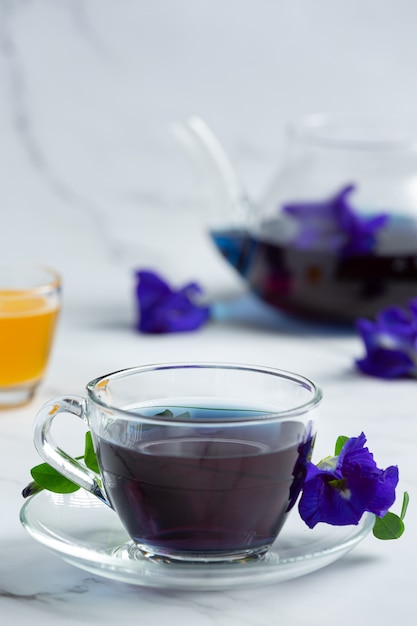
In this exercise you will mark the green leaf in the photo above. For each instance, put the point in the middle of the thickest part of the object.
(406, 500)
(90, 457)
(340, 442)
(48, 478)
(388, 527)
(184, 416)
(166, 413)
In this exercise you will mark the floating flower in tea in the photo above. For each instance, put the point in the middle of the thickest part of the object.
(335, 225)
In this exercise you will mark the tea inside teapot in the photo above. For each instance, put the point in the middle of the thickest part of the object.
(336, 235)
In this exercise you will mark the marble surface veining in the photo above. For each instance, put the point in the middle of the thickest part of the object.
(93, 183)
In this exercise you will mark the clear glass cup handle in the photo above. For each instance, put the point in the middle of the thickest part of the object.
(57, 458)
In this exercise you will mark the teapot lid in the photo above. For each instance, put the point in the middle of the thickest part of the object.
(355, 131)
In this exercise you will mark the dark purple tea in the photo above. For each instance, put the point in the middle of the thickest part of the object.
(318, 284)
(202, 493)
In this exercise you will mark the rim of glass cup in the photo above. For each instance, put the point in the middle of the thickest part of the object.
(355, 131)
(304, 407)
(47, 279)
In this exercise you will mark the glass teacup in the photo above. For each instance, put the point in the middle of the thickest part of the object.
(202, 462)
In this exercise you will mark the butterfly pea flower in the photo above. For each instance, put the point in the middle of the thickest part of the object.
(163, 309)
(390, 343)
(334, 224)
(340, 489)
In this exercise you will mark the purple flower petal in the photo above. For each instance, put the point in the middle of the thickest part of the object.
(354, 452)
(341, 491)
(397, 322)
(413, 308)
(322, 502)
(366, 329)
(384, 494)
(388, 364)
(151, 289)
(164, 310)
(390, 343)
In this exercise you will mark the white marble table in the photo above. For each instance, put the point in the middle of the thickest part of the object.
(92, 184)
(375, 580)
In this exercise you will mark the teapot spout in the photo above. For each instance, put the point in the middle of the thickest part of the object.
(206, 149)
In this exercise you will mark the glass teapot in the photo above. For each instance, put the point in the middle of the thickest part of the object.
(335, 237)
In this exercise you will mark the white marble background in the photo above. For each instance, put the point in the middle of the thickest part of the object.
(89, 89)
(92, 182)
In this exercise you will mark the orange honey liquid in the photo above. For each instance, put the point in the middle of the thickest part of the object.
(27, 325)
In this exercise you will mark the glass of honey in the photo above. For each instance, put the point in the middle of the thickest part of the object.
(29, 308)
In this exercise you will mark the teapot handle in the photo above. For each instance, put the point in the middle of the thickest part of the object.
(198, 137)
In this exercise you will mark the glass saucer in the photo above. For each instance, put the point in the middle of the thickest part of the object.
(86, 533)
